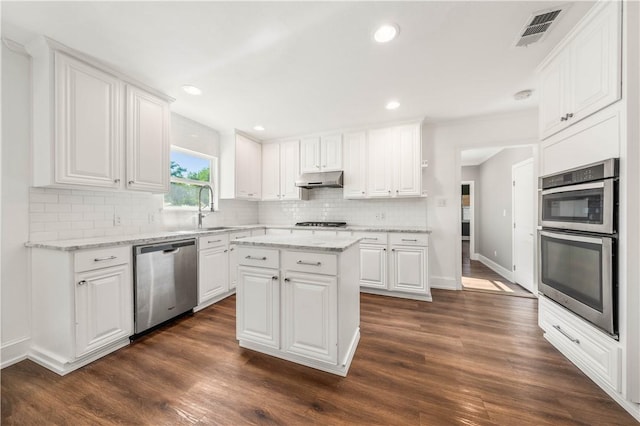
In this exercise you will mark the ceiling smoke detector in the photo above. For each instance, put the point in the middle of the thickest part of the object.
(538, 26)
(523, 94)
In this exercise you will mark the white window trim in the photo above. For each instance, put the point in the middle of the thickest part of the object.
(214, 179)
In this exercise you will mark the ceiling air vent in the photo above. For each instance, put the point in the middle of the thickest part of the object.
(538, 26)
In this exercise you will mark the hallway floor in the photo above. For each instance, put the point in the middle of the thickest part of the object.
(477, 277)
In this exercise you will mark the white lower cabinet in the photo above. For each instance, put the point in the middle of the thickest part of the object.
(104, 312)
(598, 355)
(309, 315)
(82, 305)
(373, 266)
(258, 306)
(290, 308)
(408, 269)
(213, 273)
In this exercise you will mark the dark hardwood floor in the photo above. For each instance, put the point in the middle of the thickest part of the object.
(464, 359)
(477, 277)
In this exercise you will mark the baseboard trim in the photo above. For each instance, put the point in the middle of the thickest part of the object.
(400, 294)
(505, 273)
(14, 351)
(474, 256)
(444, 283)
(213, 300)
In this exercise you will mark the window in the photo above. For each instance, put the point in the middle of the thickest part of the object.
(191, 170)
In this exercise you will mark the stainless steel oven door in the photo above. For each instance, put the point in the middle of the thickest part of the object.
(577, 271)
(586, 207)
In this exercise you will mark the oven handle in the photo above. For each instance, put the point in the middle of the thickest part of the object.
(572, 188)
(577, 238)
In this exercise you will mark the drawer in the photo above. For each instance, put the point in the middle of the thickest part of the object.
(259, 257)
(407, 239)
(595, 353)
(214, 240)
(372, 237)
(237, 235)
(87, 260)
(315, 263)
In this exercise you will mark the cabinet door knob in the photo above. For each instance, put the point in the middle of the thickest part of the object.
(231, 249)
(226, 251)
(287, 279)
(317, 166)
(83, 282)
(274, 277)
(389, 191)
(362, 192)
(393, 249)
(130, 182)
(570, 115)
(116, 181)
(397, 190)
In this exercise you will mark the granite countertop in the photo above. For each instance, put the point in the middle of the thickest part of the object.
(152, 237)
(300, 242)
(144, 238)
(356, 228)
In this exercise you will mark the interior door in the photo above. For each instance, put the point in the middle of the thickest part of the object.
(523, 224)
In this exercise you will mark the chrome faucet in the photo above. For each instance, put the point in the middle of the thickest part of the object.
(200, 214)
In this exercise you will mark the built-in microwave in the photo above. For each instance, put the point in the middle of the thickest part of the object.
(582, 199)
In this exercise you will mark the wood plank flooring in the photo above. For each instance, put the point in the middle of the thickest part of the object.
(477, 277)
(464, 359)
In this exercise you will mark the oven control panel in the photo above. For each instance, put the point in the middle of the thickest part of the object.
(598, 171)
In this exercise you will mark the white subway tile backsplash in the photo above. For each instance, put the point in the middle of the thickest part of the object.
(92, 233)
(57, 208)
(70, 199)
(43, 198)
(36, 207)
(92, 199)
(44, 217)
(57, 226)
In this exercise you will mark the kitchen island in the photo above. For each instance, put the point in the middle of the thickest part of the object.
(298, 298)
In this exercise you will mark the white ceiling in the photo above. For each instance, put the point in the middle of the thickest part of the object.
(304, 67)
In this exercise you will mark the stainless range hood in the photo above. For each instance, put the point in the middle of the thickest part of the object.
(320, 180)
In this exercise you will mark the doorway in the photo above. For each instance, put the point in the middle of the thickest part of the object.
(495, 256)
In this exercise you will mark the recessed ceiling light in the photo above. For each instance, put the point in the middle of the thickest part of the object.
(386, 33)
(392, 105)
(258, 128)
(523, 94)
(194, 135)
(192, 90)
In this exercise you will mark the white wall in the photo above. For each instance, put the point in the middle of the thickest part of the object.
(442, 143)
(328, 204)
(15, 288)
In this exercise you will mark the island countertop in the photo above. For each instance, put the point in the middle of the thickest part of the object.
(301, 242)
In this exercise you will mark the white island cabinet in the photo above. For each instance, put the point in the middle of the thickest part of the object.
(298, 299)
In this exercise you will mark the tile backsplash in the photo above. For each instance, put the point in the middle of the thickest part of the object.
(61, 214)
(327, 204)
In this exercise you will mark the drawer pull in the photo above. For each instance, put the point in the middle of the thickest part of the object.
(226, 250)
(256, 258)
(214, 241)
(302, 262)
(567, 335)
(83, 282)
(370, 239)
(410, 239)
(102, 259)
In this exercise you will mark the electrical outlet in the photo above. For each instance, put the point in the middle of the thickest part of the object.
(152, 218)
(442, 202)
(117, 221)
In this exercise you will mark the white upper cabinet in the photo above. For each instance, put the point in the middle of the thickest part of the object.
(355, 165)
(147, 140)
(394, 162)
(271, 171)
(310, 155)
(78, 116)
(280, 169)
(289, 170)
(240, 167)
(87, 136)
(585, 75)
(321, 154)
(331, 153)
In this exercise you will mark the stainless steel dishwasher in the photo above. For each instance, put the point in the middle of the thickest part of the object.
(166, 283)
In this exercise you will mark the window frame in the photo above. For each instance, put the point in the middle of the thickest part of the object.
(214, 179)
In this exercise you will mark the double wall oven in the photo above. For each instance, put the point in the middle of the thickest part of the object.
(578, 241)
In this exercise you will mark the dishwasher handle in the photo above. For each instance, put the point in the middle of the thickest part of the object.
(169, 247)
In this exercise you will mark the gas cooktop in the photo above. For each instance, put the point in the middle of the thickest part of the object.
(323, 224)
